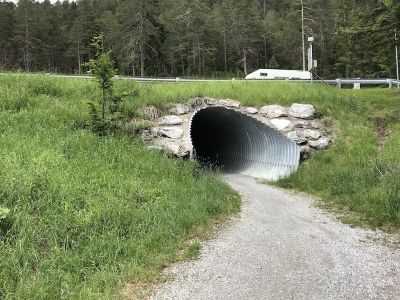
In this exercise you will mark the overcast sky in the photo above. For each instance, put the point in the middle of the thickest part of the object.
(16, 1)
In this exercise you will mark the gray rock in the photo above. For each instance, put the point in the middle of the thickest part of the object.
(148, 135)
(297, 137)
(302, 124)
(311, 134)
(210, 101)
(155, 148)
(250, 110)
(174, 149)
(315, 124)
(229, 103)
(321, 143)
(172, 132)
(273, 111)
(151, 112)
(300, 136)
(170, 121)
(196, 102)
(180, 109)
(155, 131)
(305, 151)
(282, 124)
(302, 111)
(177, 150)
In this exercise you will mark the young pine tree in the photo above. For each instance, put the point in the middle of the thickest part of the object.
(102, 67)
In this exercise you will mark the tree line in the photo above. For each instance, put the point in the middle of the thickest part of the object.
(219, 38)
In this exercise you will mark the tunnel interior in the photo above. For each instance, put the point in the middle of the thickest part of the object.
(236, 143)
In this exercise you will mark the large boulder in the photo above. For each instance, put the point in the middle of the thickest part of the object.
(273, 111)
(210, 101)
(297, 137)
(196, 102)
(310, 134)
(172, 149)
(305, 151)
(315, 124)
(180, 109)
(250, 110)
(170, 121)
(302, 124)
(282, 124)
(302, 111)
(148, 135)
(151, 112)
(229, 103)
(301, 136)
(321, 143)
(176, 150)
(171, 132)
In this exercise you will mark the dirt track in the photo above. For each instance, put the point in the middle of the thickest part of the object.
(281, 247)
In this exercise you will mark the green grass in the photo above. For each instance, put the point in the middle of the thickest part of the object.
(89, 214)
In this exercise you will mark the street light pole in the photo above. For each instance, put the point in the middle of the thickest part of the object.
(397, 58)
(302, 35)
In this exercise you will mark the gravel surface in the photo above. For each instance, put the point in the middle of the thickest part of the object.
(281, 247)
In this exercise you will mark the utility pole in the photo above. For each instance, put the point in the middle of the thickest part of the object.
(397, 58)
(302, 35)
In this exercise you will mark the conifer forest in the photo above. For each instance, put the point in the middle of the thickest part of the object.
(201, 38)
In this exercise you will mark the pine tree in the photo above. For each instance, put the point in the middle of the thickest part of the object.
(7, 31)
(139, 20)
(247, 27)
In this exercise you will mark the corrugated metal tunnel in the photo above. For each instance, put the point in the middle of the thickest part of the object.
(237, 143)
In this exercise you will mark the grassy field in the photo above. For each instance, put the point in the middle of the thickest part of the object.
(88, 214)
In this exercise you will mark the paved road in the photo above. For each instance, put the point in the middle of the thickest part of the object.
(282, 247)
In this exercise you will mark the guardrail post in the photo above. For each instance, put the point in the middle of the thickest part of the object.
(339, 83)
(390, 82)
(177, 79)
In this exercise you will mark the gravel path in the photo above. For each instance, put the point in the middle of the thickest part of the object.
(282, 247)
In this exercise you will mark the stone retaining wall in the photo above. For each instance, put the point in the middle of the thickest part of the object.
(297, 122)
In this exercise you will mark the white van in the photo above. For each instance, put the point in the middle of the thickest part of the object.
(279, 74)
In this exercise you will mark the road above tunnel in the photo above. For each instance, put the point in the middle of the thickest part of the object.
(281, 247)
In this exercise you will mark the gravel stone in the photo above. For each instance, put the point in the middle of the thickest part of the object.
(282, 247)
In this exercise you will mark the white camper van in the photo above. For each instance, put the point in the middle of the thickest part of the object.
(279, 74)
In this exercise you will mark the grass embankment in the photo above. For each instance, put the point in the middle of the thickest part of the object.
(360, 173)
(88, 212)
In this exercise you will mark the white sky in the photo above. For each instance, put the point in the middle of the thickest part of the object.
(52, 1)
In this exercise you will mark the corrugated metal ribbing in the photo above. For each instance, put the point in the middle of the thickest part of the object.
(238, 143)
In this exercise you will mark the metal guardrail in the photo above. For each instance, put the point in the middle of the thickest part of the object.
(338, 82)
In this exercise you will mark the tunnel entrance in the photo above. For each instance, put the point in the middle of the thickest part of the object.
(236, 143)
